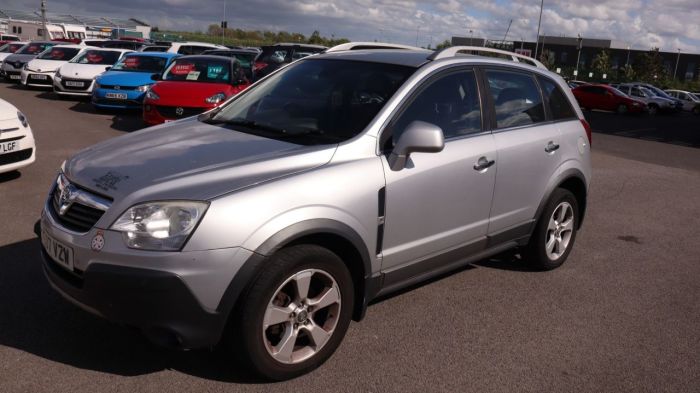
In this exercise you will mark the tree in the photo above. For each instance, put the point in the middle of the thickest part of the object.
(315, 38)
(214, 30)
(601, 63)
(443, 45)
(650, 67)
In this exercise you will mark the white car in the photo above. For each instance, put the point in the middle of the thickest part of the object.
(192, 48)
(17, 148)
(77, 77)
(40, 71)
(10, 48)
(691, 102)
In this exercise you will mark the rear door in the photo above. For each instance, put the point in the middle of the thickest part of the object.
(527, 144)
(439, 202)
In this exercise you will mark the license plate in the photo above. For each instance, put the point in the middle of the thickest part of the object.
(15, 76)
(7, 147)
(39, 76)
(75, 84)
(60, 253)
(118, 96)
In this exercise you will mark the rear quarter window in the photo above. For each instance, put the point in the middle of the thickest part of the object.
(559, 105)
(516, 97)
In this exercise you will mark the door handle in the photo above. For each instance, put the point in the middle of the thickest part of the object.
(483, 163)
(551, 146)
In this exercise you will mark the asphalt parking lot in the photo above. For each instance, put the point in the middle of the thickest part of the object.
(622, 315)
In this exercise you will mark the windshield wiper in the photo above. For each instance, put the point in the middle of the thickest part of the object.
(252, 124)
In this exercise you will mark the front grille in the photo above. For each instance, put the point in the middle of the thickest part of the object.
(15, 156)
(86, 84)
(172, 111)
(110, 101)
(33, 81)
(78, 217)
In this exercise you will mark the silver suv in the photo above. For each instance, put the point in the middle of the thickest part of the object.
(276, 218)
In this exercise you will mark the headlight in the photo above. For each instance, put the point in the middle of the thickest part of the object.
(58, 74)
(159, 226)
(26, 66)
(216, 98)
(143, 88)
(152, 96)
(22, 119)
(97, 84)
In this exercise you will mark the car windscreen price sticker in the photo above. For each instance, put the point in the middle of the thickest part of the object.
(131, 62)
(193, 75)
(182, 69)
(214, 71)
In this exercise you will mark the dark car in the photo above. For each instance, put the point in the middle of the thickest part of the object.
(275, 56)
(607, 98)
(245, 57)
(117, 44)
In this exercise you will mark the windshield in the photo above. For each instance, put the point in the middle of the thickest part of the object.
(245, 59)
(647, 92)
(59, 53)
(328, 101)
(199, 70)
(34, 48)
(618, 92)
(658, 92)
(98, 57)
(150, 64)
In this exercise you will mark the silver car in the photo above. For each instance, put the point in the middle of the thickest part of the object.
(276, 218)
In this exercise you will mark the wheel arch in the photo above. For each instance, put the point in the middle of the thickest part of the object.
(574, 181)
(334, 235)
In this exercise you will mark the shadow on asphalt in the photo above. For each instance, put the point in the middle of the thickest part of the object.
(681, 129)
(35, 319)
(9, 176)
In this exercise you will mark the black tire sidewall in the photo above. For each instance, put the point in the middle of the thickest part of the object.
(536, 253)
(278, 269)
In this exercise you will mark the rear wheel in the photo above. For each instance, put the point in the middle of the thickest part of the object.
(653, 109)
(622, 109)
(295, 313)
(696, 110)
(555, 232)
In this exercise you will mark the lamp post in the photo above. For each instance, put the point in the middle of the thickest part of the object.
(223, 25)
(578, 58)
(417, 30)
(677, 59)
(539, 23)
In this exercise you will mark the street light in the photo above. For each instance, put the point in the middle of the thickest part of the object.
(578, 58)
(537, 39)
(677, 59)
(417, 30)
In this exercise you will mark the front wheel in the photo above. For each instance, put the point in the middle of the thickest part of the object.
(622, 109)
(653, 109)
(295, 313)
(555, 232)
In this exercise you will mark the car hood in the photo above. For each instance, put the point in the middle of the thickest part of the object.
(45, 65)
(188, 93)
(5, 55)
(7, 110)
(15, 58)
(187, 159)
(82, 71)
(126, 78)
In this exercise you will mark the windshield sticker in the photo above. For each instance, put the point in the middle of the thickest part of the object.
(109, 181)
(182, 69)
(215, 71)
(94, 58)
(56, 54)
(193, 75)
(131, 62)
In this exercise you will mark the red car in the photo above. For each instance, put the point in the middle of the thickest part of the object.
(192, 85)
(607, 98)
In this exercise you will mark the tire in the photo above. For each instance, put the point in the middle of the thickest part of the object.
(258, 338)
(696, 110)
(622, 109)
(653, 109)
(537, 252)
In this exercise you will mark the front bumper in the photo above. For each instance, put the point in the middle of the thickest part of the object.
(25, 152)
(32, 78)
(58, 88)
(156, 114)
(173, 297)
(133, 100)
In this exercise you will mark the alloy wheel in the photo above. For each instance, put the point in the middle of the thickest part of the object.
(559, 230)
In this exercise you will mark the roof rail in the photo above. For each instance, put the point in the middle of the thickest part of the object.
(369, 45)
(475, 50)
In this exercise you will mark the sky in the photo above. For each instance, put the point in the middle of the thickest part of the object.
(641, 24)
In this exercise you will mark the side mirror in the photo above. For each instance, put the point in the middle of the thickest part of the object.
(155, 77)
(108, 68)
(419, 136)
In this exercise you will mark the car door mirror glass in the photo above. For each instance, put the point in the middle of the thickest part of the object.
(419, 136)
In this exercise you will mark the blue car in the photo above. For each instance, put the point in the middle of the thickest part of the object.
(125, 84)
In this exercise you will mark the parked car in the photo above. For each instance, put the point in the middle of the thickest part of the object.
(604, 97)
(77, 77)
(574, 83)
(40, 71)
(691, 102)
(126, 83)
(13, 64)
(8, 49)
(192, 48)
(276, 218)
(117, 44)
(678, 104)
(155, 48)
(275, 56)
(654, 103)
(17, 149)
(5, 38)
(245, 57)
(192, 85)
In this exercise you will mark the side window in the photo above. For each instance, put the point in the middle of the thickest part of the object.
(636, 92)
(185, 50)
(195, 50)
(517, 99)
(559, 105)
(451, 102)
